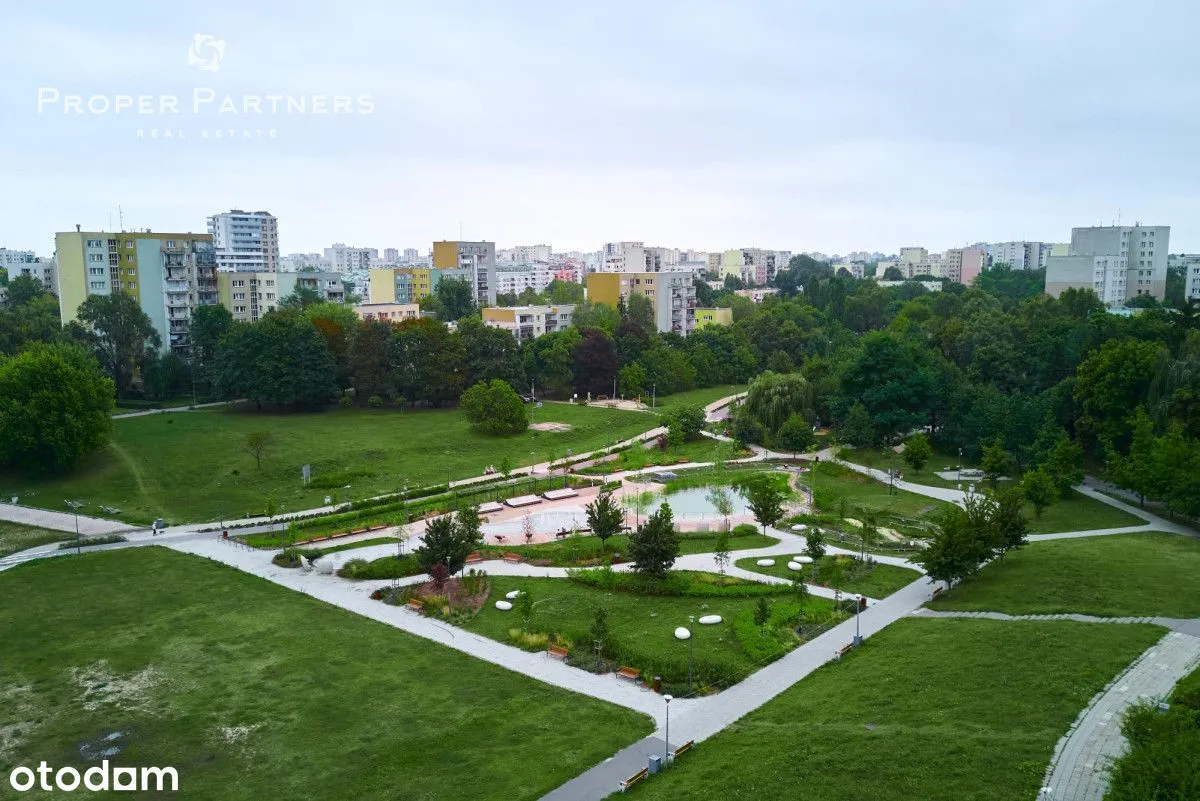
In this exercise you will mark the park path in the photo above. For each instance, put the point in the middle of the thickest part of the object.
(174, 409)
(1078, 770)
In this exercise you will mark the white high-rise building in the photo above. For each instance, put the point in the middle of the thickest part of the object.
(391, 255)
(343, 258)
(1118, 262)
(411, 254)
(245, 241)
(623, 257)
(524, 254)
(1020, 255)
(1190, 264)
(26, 263)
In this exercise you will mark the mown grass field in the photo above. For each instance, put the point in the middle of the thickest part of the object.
(192, 466)
(253, 691)
(1114, 575)
(16, 537)
(938, 710)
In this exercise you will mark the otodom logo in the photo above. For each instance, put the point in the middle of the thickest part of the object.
(98, 778)
(206, 52)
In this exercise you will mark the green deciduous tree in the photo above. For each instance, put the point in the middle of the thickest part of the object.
(595, 363)
(857, 429)
(795, 435)
(428, 362)
(368, 362)
(654, 547)
(55, 408)
(996, 462)
(640, 311)
(1110, 382)
(632, 380)
(456, 299)
(449, 540)
(257, 444)
(917, 452)
(494, 408)
(491, 353)
(814, 545)
(121, 335)
(281, 359)
(1039, 490)
(765, 499)
(604, 517)
(773, 398)
(687, 419)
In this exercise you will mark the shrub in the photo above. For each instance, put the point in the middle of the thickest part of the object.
(744, 530)
(345, 402)
(355, 569)
(375, 401)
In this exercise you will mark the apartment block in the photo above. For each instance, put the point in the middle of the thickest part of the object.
(516, 278)
(1117, 262)
(245, 241)
(623, 257)
(170, 275)
(713, 316)
(757, 294)
(391, 255)
(524, 254)
(411, 255)
(388, 312)
(963, 264)
(402, 285)
(913, 256)
(249, 296)
(26, 263)
(529, 322)
(1189, 263)
(474, 261)
(343, 258)
(1020, 255)
(752, 265)
(673, 294)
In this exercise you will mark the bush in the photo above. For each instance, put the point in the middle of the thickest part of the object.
(494, 408)
(744, 530)
(87, 542)
(355, 569)
(387, 567)
(375, 401)
(338, 479)
(345, 402)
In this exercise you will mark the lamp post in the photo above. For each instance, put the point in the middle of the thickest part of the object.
(74, 505)
(857, 612)
(653, 394)
(667, 737)
(682, 633)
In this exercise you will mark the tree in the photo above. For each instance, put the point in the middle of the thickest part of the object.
(996, 462)
(449, 540)
(167, 376)
(795, 435)
(773, 398)
(892, 273)
(762, 614)
(491, 353)
(525, 606)
(640, 311)
(814, 545)
(55, 408)
(560, 292)
(438, 575)
(208, 325)
(765, 499)
(856, 429)
(595, 363)
(599, 628)
(632, 380)
(956, 549)
(368, 363)
(600, 316)
(281, 359)
(917, 451)
(456, 299)
(301, 298)
(549, 363)
(687, 419)
(901, 383)
(722, 502)
(604, 516)
(336, 323)
(427, 361)
(1110, 382)
(1039, 490)
(121, 335)
(257, 443)
(1008, 522)
(1139, 470)
(1064, 463)
(494, 408)
(655, 545)
(721, 549)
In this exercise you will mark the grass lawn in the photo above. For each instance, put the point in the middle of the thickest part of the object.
(582, 550)
(642, 626)
(190, 466)
(880, 582)
(640, 456)
(253, 691)
(697, 397)
(1115, 575)
(1078, 512)
(937, 710)
(834, 482)
(17, 537)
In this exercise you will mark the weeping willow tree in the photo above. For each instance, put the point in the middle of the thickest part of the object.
(774, 397)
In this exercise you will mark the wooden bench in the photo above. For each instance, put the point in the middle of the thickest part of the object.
(634, 779)
(683, 749)
(844, 650)
(474, 558)
(937, 592)
(416, 605)
(562, 535)
(633, 674)
(513, 558)
(556, 651)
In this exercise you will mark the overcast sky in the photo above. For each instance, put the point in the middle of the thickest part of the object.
(799, 125)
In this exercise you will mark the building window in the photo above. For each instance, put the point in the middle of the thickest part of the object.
(128, 244)
(95, 257)
(129, 258)
(170, 243)
(95, 243)
(131, 271)
(97, 285)
(239, 295)
(240, 309)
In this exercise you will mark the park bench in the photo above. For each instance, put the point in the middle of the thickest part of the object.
(633, 674)
(683, 749)
(474, 558)
(937, 592)
(562, 535)
(416, 605)
(556, 651)
(844, 650)
(513, 558)
(634, 779)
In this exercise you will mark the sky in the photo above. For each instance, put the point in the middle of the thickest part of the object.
(799, 125)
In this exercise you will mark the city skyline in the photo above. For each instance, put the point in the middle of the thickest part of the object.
(819, 128)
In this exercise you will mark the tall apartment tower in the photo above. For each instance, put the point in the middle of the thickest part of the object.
(245, 241)
(170, 275)
(1119, 262)
(473, 261)
(343, 258)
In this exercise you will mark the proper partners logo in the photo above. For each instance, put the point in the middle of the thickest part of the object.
(204, 112)
(97, 779)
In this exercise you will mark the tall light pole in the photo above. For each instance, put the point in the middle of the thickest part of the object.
(653, 394)
(857, 612)
(667, 737)
(74, 505)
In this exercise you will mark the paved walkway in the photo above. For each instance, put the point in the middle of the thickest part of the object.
(1078, 770)
(173, 409)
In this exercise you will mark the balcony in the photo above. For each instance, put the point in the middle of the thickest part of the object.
(172, 287)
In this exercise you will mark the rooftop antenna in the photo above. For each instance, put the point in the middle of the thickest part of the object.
(121, 217)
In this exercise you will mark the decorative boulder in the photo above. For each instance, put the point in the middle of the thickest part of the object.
(325, 567)
(803, 560)
(795, 566)
(799, 527)
(503, 606)
(512, 594)
(708, 620)
(766, 562)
